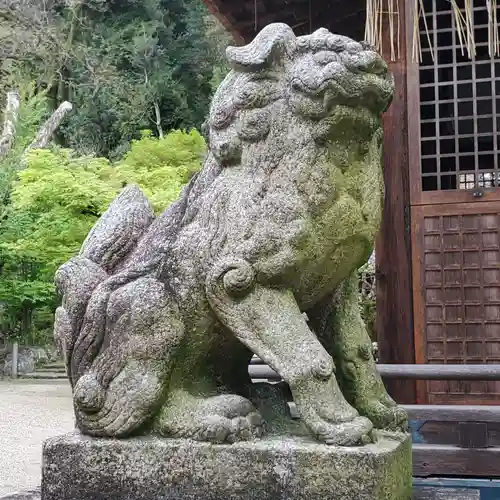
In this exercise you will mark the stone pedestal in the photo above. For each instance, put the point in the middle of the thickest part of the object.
(277, 468)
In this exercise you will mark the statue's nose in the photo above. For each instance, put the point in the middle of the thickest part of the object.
(366, 61)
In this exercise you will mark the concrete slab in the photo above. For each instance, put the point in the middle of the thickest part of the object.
(31, 411)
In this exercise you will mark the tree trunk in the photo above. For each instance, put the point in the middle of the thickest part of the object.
(158, 120)
(10, 122)
(47, 131)
(27, 323)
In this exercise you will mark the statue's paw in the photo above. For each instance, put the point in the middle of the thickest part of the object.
(219, 429)
(384, 413)
(246, 428)
(226, 418)
(355, 432)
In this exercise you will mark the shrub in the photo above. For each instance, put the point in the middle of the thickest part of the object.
(54, 202)
(161, 167)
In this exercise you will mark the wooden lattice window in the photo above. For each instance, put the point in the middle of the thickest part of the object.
(459, 103)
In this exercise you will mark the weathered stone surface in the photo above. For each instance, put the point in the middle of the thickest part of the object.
(26, 361)
(160, 316)
(76, 467)
(24, 495)
(419, 493)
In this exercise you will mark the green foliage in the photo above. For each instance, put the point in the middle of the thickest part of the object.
(162, 166)
(61, 195)
(56, 200)
(32, 111)
(125, 65)
(219, 39)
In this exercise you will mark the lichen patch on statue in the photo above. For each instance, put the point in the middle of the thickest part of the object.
(160, 317)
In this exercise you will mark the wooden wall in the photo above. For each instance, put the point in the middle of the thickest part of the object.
(394, 282)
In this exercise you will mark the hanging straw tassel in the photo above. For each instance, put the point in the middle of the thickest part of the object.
(418, 10)
(493, 38)
(376, 12)
(390, 11)
(464, 25)
(460, 24)
(380, 15)
(469, 22)
(496, 28)
(491, 35)
(417, 46)
(370, 36)
(463, 18)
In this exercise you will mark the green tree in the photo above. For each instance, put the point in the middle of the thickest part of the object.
(58, 197)
(125, 65)
(53, 204)
(162, 166)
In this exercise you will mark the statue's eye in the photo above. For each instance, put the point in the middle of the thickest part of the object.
(297, 85)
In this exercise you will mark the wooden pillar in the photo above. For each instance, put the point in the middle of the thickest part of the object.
(393, 250)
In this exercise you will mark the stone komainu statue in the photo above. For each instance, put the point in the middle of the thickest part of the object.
(160, 316)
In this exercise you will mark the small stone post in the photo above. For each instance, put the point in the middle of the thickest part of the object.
(15, 351)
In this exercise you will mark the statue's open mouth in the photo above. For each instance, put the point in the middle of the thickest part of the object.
(365, 90)
(368, 95)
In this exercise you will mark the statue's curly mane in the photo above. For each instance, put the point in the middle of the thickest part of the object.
(280, 77)
(269, 69)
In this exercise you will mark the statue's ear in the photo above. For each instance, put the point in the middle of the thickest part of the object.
(275, 40)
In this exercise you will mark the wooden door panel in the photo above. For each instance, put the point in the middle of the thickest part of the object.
(456, 285)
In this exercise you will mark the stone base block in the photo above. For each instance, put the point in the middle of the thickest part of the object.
(81, 468)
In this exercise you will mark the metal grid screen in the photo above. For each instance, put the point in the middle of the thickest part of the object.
(459, 103)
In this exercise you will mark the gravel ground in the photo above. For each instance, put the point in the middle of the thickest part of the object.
(30, 411)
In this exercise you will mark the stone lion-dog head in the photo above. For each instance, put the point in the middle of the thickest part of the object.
(320, 79)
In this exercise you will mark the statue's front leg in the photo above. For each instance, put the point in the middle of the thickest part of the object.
(342, 330)
(268, 321)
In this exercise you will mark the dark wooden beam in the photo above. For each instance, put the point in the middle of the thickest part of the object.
(446, 460)
(294, 14)
(394, 283)
(222, 12)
